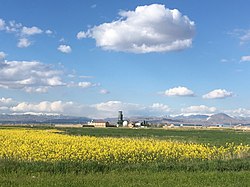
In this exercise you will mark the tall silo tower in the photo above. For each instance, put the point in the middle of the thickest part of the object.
(120, 118)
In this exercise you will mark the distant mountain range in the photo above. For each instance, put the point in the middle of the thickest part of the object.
(214, 119)
(42, 118)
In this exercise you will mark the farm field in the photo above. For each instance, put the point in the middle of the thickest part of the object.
(45, 156)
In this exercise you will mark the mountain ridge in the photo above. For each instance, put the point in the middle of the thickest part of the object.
(201, 119)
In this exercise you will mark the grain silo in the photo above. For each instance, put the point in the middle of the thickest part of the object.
(120, 118)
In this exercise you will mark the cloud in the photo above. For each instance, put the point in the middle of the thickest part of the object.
(242, 34)
(130, 109)
(179, 91)
(4, 109)
(106, 109)
(23, 43)
(19, 29)
(62, 40)
(81, 35)
(49, 32)
(240, 112)
(41, 89)
(6, 104)
(159, 107)
(30, 76)
(10, 27)
(13, 27)
(200, 109)
(86, 84)
(85, 77)
(54, 107)
(2, 24)
(64, 48)
(218, 94)
(31, 31)
(23, 33)
(245, 59)
(104, 91)
(2, 55)
(224, 60)
(111, 108)
(100, 110)
(6, 101)
(245, 37)
(35, 77)
(71, 75)
(152, 28)
(44, 106)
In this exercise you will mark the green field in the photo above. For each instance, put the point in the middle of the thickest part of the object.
(126, 179)
(212, 136)
(192, 173)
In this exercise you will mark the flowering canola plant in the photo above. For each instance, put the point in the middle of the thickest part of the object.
(51, 146)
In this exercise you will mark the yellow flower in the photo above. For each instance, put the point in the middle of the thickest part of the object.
(51, 146)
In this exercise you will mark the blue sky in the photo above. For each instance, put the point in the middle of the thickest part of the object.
(154, 58)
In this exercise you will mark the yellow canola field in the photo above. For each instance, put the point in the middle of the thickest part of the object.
(51, 146)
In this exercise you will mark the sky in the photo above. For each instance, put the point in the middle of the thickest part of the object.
(147, 58)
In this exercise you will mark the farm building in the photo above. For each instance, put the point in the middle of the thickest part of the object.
(99, 123)
(68, 125)
(125, 123)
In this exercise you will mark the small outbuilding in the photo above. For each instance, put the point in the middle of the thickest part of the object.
(125, 123)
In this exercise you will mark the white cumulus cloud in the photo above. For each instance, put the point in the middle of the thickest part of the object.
(99, 110)
(179, 91)
(159, 107)
(41, 89)
(111, 106)
(240, 112)
(6, 104)
(13, 27)
(149, 28)
(245, 59)
(218, 94)
(81, 35)
(49, 32)
(64, 48)
(31, 76)
(53, 107)
(200, 109)
(86, 84)
(23, 33)
(111, 109)
(31, 31)
(44, 106)
(23, 42)
(6, 101)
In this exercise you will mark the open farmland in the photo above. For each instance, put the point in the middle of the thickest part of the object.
(97, 155)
